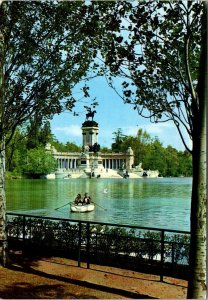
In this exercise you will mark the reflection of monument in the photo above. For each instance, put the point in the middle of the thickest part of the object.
(91, 161)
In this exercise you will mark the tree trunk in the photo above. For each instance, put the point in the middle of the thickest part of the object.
(3, 235)
(197, 282)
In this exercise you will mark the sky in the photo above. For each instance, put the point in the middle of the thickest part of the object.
(111, 114)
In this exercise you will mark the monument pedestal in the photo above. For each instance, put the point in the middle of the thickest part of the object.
(91, 163)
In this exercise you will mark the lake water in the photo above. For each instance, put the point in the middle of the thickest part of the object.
(159, 202)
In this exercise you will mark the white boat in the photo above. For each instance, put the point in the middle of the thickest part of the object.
(82, 208)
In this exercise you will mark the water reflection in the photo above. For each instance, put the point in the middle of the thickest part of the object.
(163, 203)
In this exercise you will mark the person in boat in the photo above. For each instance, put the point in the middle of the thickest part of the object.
(86, 199)
(78, 199)
(89, 199)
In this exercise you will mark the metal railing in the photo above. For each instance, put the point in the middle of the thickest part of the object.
(148, 249)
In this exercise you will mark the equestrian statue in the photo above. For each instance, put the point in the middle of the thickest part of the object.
(90, 113)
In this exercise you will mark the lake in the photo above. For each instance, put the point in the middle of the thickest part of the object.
(158, 202)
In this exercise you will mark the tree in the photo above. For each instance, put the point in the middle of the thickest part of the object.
(68, 147)
(116, 147)
(38, 134)
(171, 157)
(143, 139)
(44, 53)
(15, 152)
(151, 153)
(71, 147)
(185, 163)
(39, 162)
(159, 49)
(34, 137)
(154, 158)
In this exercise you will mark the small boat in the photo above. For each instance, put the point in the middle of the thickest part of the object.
(82, 208)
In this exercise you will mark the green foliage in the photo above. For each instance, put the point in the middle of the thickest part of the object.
(178, 248)
(185, 163)
(147, 150)
(119, 137)
(151, 153)
(154, 47)
(39, 162)
(38, 134)
(16, 153)
(115, 241)
(68, 147)
(26, 154)
(44, 52)
(105, 150)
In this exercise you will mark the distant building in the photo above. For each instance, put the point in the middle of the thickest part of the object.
(91, 161)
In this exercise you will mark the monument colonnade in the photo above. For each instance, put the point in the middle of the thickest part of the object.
(72, 160)
(92, 158)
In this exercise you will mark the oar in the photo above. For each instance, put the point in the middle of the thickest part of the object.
(99, 205)
(62, 206)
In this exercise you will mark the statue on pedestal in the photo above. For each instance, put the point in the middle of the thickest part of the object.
(89, 113)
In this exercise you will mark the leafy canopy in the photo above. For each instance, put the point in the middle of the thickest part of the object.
(44, 53)
(154, 46)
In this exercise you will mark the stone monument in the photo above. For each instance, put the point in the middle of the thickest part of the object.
(90, 159)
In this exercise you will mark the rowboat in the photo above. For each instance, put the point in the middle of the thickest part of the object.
(82, 208)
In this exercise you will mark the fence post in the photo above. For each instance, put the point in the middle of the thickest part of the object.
(162, 255)
(23, 236)
(172, 252)
(79, 244)
(88, 245)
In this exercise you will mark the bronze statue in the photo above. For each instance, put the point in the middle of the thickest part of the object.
(90, 113)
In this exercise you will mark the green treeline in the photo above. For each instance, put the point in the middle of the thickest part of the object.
(151, 153)
(28, 157)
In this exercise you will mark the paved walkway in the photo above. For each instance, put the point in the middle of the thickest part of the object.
(61, 278)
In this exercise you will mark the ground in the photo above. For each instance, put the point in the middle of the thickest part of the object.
(57, 278)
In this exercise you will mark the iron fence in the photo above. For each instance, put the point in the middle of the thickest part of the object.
(153, 250)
